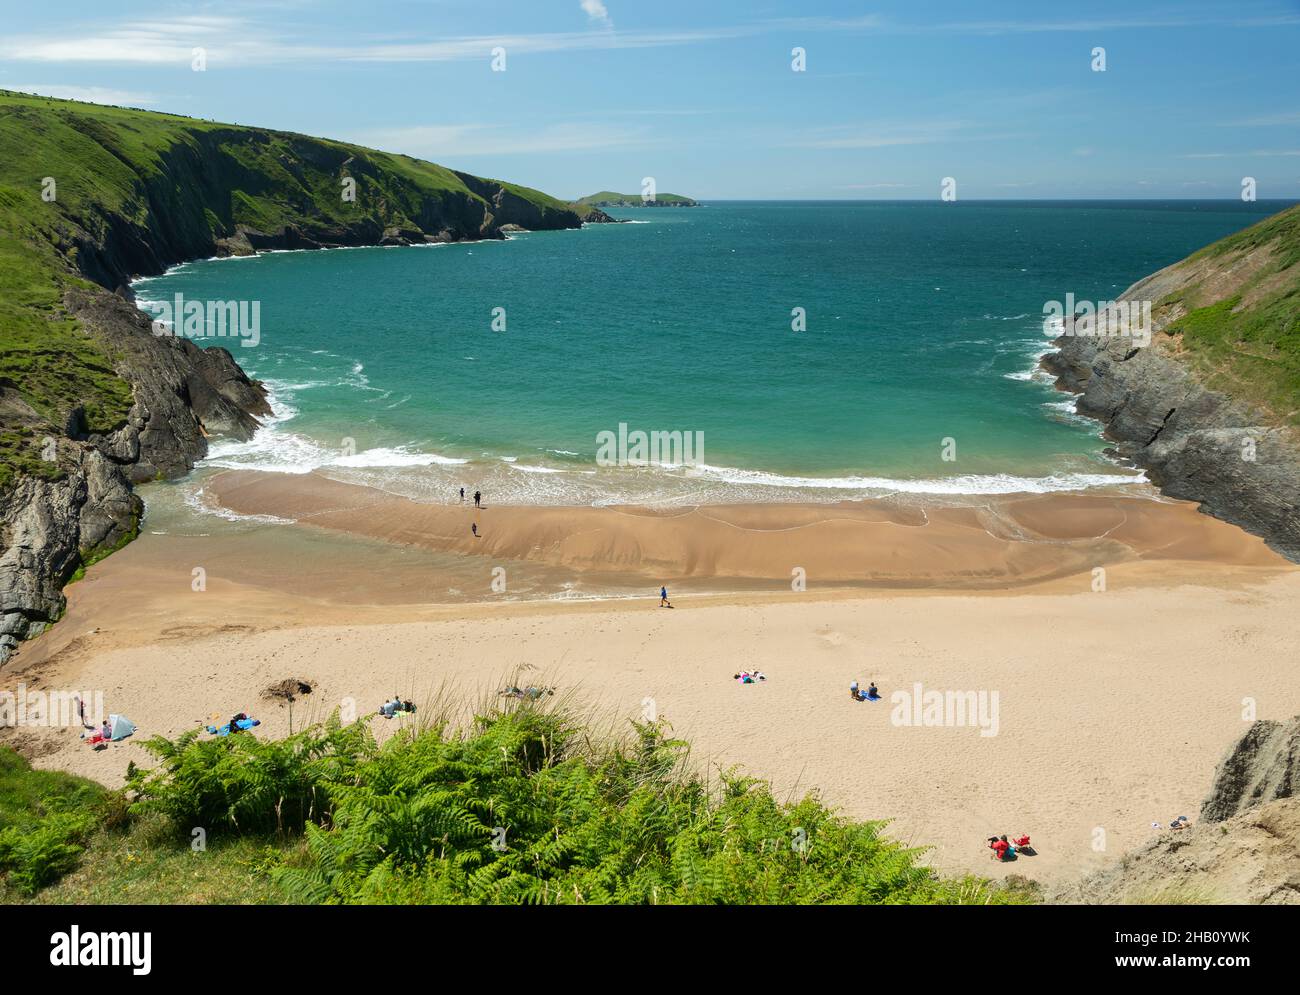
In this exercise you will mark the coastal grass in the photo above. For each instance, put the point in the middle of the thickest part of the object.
(1247, 344)
(45, 819)
(525, 805)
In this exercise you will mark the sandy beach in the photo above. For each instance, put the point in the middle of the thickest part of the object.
(1110, 706)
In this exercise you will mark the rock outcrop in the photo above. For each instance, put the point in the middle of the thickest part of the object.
(51, 527)
(1263, 766)
(1241, 463)
(1243, 850)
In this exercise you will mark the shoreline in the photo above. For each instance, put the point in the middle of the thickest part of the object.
(1003, 541)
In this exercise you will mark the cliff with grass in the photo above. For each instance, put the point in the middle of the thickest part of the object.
(91, 401)
(1211, 408)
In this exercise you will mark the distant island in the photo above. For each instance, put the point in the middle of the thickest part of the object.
(608, 198)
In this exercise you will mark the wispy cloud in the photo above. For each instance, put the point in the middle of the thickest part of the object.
(238, 41)
(1258, 153)
(1131, 22)
(89, 94)
(1264, 120)
(448, 141)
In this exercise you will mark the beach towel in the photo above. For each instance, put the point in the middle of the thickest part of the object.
(241, 724)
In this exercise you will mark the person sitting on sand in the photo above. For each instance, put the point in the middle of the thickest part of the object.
(873, 692)
(999, 848)
(853, 691)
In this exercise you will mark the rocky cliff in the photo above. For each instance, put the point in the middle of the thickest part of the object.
(1244, 848)
(91, 401)
(1209, 406)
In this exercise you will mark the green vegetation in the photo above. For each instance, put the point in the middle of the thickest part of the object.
(521, 808)
(45, 819)
(1242, 333)
(91, 194)
(608, 198)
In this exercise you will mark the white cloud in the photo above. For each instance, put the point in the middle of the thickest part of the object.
(89, 94)
(597, 12)
(236, 41)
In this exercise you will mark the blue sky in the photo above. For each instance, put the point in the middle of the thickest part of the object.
(701, 95)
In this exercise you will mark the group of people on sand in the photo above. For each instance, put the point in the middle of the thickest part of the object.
(390, 708)
(871, 693)
(750, 676)
(1181, 822)
(478, 503)
(1005, 849)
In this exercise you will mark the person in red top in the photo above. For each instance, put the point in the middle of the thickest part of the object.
(999, 847)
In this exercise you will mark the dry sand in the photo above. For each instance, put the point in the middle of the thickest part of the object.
(1113, 706)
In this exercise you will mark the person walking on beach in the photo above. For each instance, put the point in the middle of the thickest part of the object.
(663, 598)
(462, 495)
(474, 529)
(478, 499)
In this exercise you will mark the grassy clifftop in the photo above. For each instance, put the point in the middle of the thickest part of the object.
(93, 195)
(1234, 314)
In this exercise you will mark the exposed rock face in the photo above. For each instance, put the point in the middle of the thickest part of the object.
(1245, 848)
(182, 393)
(593, 215)
(49, 527)
(1251, 859)
(1263, 766)
(1194, 443)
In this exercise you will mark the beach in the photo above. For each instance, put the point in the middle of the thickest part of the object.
(1115, 643)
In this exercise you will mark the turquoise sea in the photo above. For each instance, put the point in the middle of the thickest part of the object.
(924, 322)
